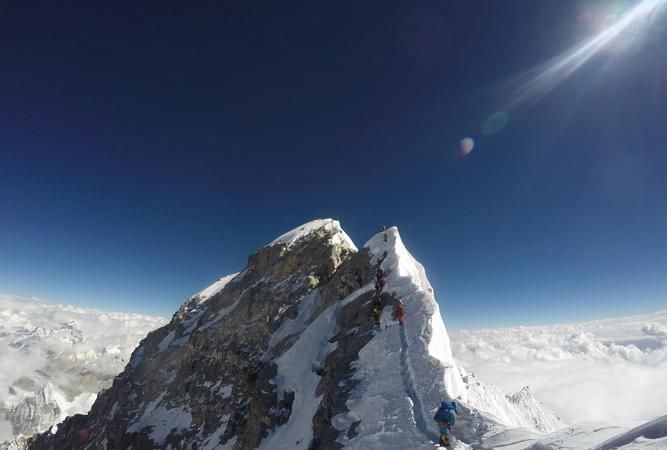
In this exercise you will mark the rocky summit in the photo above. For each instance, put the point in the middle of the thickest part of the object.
(289, 354)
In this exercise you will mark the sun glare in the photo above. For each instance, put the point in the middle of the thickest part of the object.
(626, 28)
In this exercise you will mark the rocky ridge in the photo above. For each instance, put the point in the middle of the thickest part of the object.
(284, 355)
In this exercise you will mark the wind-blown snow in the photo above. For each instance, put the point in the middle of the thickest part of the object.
(339, 236)
(582, 371)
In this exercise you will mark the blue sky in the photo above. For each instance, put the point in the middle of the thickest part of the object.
(149, 149)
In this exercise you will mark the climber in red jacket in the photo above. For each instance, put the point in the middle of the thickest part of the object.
(399, 312)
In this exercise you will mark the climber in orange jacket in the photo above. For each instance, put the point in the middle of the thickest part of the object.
(399, 312)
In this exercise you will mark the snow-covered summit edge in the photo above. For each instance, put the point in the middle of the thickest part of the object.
(338, 236)
(286, 355)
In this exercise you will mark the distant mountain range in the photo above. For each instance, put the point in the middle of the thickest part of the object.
(54, 359)
(314, 345)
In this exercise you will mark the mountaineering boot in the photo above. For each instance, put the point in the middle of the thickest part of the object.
(444, 440)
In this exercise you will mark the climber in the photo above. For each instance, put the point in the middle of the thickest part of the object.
(399, 312)
(446, 418)
(358, 278)
(380, 259)
(380, 283)
(383, 229)
(375, 313)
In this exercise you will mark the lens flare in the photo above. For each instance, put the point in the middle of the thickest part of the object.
(539, 82)
(466, 145)
(495, 123)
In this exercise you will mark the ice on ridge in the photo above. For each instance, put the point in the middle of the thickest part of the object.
(339, 236)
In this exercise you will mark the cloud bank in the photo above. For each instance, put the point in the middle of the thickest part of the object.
(605, 371)
(76, 350)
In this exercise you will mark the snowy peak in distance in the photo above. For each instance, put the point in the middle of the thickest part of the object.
(302, 350)
(61, 356)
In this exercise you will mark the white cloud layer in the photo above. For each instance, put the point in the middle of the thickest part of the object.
(76, 350)
(606, 371)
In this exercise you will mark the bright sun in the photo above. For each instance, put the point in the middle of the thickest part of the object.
(620, 29)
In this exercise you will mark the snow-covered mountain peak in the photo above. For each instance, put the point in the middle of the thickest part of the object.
(407, 271)
(319, 226)
(287, 355)
(407, 281)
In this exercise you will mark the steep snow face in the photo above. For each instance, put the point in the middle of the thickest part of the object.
(407, 280)
(338, 236)
(235, 365)
(286, 356)
(520, 409)
(430, 356)
(419, 355)
(297, 374)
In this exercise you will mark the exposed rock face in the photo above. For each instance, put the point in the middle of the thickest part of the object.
(284, 356)
(210, 369)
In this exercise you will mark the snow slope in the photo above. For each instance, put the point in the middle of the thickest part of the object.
(583, 436)
(338, 236)
(214, 288)
(400, 375)
(649, 435)
(285, 356)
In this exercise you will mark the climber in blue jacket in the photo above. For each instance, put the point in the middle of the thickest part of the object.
(446, 418)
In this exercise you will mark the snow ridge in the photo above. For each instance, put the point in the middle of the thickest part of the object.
(302, 364)
(338, 237)
(213, 289)
(408, 382)
(430, 357)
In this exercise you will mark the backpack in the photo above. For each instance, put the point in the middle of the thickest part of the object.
(447, 412)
